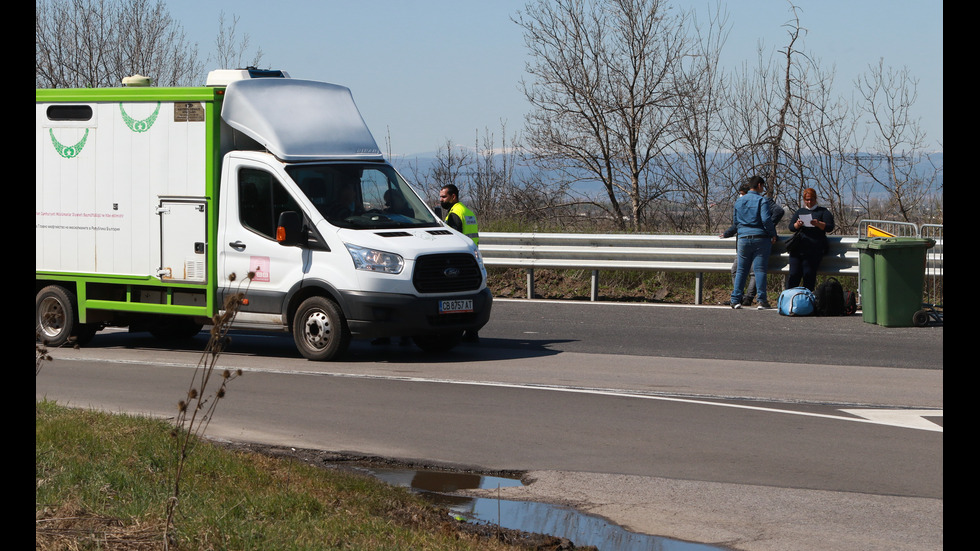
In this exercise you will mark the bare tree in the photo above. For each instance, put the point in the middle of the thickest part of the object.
(899, 163)
(603, 94)
(230, 50)
(779, 126)
(766, 115)
(96, 43)
(697, 167)
(828, 125)
(453, 164)
(790, 126)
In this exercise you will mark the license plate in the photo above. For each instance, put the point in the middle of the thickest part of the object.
(455, 306)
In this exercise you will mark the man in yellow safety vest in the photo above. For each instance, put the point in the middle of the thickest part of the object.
(462, 220)
(458, 216)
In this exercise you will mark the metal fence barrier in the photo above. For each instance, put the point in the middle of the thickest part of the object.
(934, 264)
(698, 254)
(897, 229)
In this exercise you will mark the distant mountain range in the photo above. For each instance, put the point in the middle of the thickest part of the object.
(422, 163)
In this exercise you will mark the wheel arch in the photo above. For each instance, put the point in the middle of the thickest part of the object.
(307, 289)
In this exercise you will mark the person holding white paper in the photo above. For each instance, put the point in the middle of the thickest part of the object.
(815, 222)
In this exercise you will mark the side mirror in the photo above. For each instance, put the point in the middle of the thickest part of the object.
(290, 232)
(438, 211)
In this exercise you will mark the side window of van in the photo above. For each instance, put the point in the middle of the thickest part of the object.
(261, 199)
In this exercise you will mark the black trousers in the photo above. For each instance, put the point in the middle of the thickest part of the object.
(803, 267)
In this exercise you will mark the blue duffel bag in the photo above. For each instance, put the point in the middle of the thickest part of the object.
(798, 301)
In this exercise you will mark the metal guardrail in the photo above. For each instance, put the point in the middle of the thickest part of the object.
(699, 254)
(898, 229)
(665, 253)
(934, 264)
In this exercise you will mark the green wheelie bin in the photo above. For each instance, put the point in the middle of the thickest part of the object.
(892, 272)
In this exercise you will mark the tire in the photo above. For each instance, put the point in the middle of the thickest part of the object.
(320, 330)
(436, 344)
(55, 315)
(920, 318)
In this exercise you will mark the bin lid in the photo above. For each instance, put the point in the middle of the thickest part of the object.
(879, 243)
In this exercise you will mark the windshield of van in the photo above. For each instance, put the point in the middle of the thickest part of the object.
(362, 195)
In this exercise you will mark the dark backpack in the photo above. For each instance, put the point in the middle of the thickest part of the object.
(830, 298)
(850, 303)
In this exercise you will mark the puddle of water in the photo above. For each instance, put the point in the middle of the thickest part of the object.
(527, 516)
(438, 485)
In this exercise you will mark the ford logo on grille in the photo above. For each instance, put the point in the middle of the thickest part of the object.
(451, 272)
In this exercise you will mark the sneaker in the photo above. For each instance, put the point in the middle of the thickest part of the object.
(764, 305)
(736, 305)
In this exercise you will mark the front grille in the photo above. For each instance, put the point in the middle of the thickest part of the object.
(447, 273)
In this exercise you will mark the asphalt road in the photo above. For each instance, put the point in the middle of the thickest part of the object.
(710, 332)
(706, 424)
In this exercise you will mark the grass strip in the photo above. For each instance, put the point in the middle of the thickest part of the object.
(103, 480)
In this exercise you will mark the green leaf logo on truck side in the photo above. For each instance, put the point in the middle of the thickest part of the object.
(139, 126)
(68, 151)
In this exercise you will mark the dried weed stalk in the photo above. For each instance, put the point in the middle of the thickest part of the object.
(40, 354)
(195, 412)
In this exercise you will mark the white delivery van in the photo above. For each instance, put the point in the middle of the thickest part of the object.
(154, 204)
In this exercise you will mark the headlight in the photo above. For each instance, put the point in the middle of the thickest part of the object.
(479, 262)
(375, 261)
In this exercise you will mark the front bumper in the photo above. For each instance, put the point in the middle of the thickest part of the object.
(371, 315)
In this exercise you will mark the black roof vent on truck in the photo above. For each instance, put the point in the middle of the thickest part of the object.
(440, 232)
(394, 234)
(265, 73)
(446, 273)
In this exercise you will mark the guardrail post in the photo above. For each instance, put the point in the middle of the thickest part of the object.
(530, 283)
(595, 285)
(698, 287)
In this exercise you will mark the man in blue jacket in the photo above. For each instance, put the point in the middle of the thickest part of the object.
(752, 216)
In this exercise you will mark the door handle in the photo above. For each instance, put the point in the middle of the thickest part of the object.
(237, 245)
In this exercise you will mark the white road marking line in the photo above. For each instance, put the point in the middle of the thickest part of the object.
(904, 418)
(908, 418)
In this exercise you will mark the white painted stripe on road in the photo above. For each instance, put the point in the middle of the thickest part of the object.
(929, 426)
(905, 418)
(593, 303)
(909, 418)
(871, 419)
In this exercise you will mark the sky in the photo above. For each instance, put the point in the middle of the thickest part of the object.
(424, 73)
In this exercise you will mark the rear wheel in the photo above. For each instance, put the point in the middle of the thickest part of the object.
(55, 316)
(319, 330)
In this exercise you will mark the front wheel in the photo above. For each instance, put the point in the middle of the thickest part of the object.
(319, 330)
